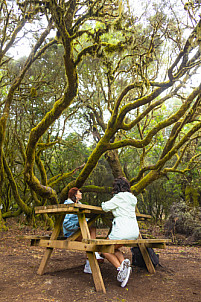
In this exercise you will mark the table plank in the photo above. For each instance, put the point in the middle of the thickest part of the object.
(68, 208)
(60, 210)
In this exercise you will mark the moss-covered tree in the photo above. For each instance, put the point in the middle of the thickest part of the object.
(139, 67)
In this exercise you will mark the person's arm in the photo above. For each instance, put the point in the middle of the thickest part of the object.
(110, 205)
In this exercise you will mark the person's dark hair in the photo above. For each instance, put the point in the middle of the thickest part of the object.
(121, 184)
(72, 192)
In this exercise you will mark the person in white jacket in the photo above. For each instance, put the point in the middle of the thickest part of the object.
(124, 225)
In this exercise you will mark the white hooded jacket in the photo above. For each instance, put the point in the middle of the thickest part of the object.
(124, 225)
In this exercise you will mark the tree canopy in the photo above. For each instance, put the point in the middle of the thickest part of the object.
(110, 88)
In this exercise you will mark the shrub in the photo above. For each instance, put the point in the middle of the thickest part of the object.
(184, 220)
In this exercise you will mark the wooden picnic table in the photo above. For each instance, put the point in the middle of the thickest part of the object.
(90, 246)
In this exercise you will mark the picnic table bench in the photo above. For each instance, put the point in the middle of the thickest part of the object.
(90, 246)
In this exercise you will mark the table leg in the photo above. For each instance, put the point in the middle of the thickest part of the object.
(96, 273)
(49, 251)
(146, 257)
(84, 226)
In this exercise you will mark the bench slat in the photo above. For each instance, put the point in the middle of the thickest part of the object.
(36, 241)
(65, 244)
(124, 242)
(38, 237)
(74, 245)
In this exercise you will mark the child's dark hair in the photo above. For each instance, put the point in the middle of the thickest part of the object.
(121, 184)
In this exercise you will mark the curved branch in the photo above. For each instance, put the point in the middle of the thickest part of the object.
(185, 52)
(10, 214)
(161, 162)
(41, 169)
(88, 50)
(138, 103)
(56, 179)
(59, 106)
(178, 126)
(96, 189)
(152, 106)
(12, 39)
(169, 121)
(32, 57)
(26, 209)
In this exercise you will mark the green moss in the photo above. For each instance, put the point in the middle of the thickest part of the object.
(192, 196)
(2, 223)
(113, 48)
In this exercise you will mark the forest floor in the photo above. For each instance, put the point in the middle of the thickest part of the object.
(178, 279)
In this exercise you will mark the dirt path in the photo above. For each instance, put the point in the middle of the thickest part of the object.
(178, 280)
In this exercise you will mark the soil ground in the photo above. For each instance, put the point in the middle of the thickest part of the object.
(177, 280)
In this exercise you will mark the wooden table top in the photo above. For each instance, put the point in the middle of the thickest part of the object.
(76, 208)
(69, 208)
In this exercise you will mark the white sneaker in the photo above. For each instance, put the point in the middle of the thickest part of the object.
(87, 268)
(123, 270)
(125, 281)
(99, 258)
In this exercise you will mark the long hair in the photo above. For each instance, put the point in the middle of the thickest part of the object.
(121, 184)
(72, 192)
